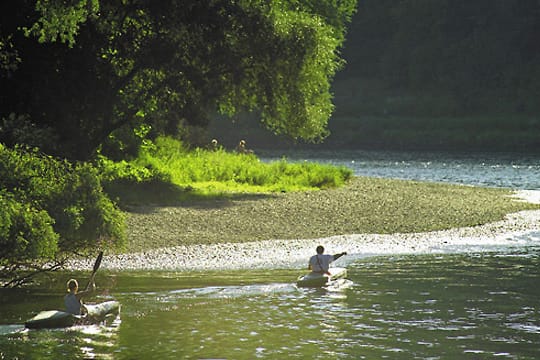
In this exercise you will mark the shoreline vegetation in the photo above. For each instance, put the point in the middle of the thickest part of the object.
(171, 207)
(229, 208)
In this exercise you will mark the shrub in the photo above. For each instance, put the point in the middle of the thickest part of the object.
(54, 205)
(25, 232)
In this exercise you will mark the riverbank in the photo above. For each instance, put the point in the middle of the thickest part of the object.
(293, 253)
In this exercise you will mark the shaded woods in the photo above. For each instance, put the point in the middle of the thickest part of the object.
(434, 75)
(441, 74)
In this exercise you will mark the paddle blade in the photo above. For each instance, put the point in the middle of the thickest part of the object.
(96, 267)
(98, 261)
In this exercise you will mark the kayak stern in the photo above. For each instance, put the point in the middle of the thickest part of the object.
(60, 319)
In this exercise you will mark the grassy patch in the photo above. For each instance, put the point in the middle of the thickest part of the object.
(166, 173)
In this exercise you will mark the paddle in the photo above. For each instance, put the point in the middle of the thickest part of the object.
(96, 267)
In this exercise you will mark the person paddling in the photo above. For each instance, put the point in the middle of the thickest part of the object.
(320, 263)
(72, 300)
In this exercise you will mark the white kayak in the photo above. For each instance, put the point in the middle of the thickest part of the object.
(313, 279)
(58, 319)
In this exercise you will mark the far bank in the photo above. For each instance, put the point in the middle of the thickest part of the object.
(351, 129)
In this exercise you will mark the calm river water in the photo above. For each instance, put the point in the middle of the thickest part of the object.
(492, 170)
(469, 305)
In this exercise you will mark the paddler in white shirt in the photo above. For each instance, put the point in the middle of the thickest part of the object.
(320, 263)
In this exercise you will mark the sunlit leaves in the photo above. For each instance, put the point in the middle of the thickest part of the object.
(60, 19)
(49, 205)
(25, 232)
(172, 64)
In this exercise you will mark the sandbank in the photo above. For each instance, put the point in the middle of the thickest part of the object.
(517, 229)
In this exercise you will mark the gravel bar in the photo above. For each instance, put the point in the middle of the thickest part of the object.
(518, 229)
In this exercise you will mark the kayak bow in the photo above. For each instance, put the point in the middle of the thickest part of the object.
(313, 279)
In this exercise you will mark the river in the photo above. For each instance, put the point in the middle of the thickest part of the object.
(470, 305)
(508, 170)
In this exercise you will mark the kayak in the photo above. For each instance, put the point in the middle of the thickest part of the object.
(318, 280)
(96, 313)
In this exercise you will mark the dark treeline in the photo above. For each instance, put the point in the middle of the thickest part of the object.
(466, 57)
(441, 74)
(437, 74)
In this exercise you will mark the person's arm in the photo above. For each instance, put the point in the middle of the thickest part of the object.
(337, 256)
(88, 291)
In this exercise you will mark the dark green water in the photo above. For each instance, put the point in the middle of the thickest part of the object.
(466, 306)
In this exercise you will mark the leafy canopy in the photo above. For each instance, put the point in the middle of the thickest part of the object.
(90, 67)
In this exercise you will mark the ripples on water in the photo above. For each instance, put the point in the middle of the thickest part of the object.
(517, 171)
(410, 307)
(454, 305)
(471, 306)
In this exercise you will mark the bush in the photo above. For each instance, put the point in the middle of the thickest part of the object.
(25, 232)
(202, 168)
(54, 205)
(19, 129)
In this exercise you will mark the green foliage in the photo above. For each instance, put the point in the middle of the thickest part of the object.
(222, 170)
(170, 172)
(61, 20)
(25, 232)
(171, 64)
(53, 205)
(123, 170)
(121, 144)
(307, 34)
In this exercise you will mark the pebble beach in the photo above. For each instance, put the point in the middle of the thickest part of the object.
(517, 229)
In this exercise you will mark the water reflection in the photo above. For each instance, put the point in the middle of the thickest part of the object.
(477, 305)
(520, 171)
(78, 342)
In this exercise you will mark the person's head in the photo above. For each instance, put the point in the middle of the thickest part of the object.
(320, 249)
(72, 285)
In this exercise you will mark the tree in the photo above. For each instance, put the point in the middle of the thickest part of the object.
(90, 67)
(51, 208)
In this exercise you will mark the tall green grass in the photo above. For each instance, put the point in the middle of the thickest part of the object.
(217, 171)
